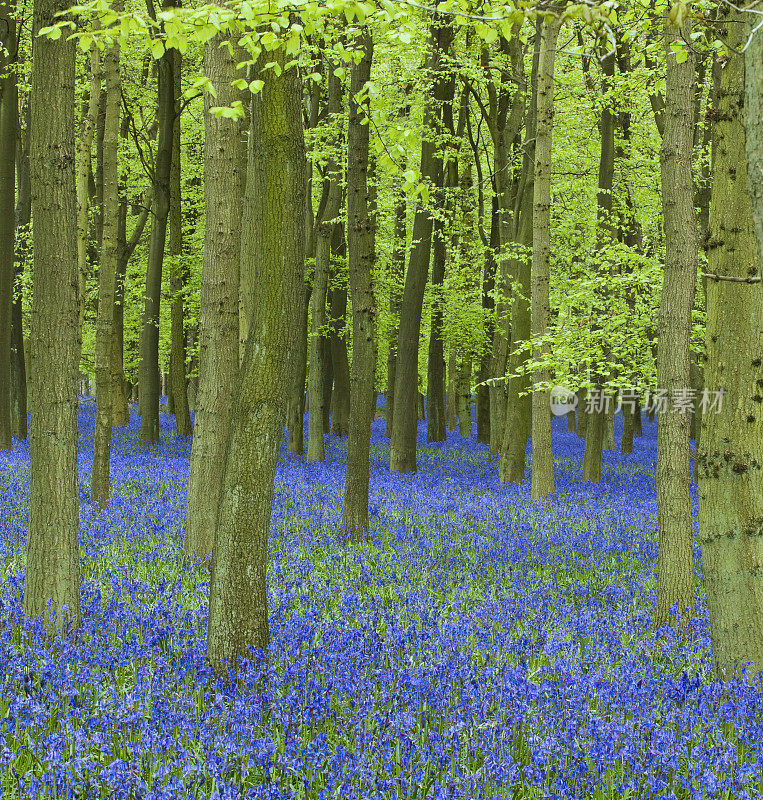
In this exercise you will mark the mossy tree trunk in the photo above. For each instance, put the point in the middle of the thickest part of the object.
(675, 560)
(52, 580)
(731, 441)
(273, 250)
(360, 256)
(513, 448)
(224, 181)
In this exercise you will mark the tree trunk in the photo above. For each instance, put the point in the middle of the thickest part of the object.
(149, 346)
(465, 395)
(84, 167)
(9, 113)
(595, 420)
(626, 444)
(52, 582)
(605, 235)
(517, 420)
(107, 273)
(320, 343)
(753, 110)
(360, 255)
(23, 232)
(542, 457)
(452, 416)
(609, 427)
(273, 249)
(397, 272)
(296, 406)
(442, 202)
(340, 399)
(403, 442)
(178, 276)
(731, 441)
(120, 387)
(224, 181)
(675, 561)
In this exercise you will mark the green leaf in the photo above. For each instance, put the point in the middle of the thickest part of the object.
(157, 49)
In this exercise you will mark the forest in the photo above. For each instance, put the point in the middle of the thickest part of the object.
(381, 393)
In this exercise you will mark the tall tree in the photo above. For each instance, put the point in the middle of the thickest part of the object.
(107, 274)
(511, 466)
(403, 441)
(149, 343)
(542, 457)
(224, 182)
(178, 274)
(444, 215)
(360, 257)
(9, 113)
(601, 417)
(273, 249)
(51, 583)
(731, 441)
(320, 342)
(675, 560)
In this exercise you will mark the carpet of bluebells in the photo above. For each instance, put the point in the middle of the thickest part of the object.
(481, 646)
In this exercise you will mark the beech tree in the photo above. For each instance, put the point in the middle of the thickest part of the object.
(272, 250)
(224, 184)
(731, 441)
(675, 562)
(52, 581)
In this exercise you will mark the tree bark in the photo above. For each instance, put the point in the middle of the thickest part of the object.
(675, 560)
(403, 441)
(178, 276)
(753, 110)
(107, 274)
(149, 345)
(360, 257)
(273, 249)
(224, 182)
(52, 581)
(542, 457)
(9, 113)
(731, 441)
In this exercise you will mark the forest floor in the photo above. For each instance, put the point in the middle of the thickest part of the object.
(481, 646)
